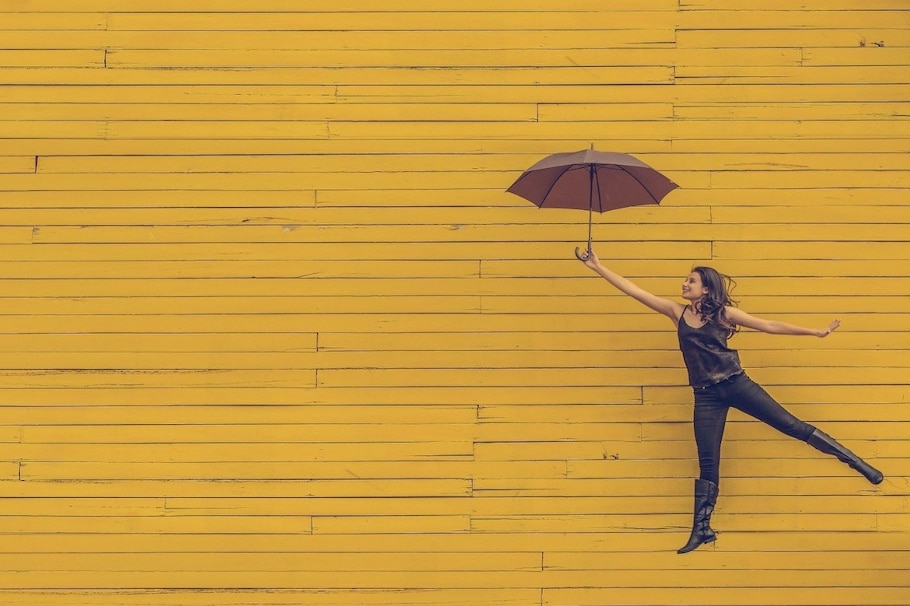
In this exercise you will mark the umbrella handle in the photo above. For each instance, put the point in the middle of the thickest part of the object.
(582, 256)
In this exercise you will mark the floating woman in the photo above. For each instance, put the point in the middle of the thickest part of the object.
(704, 324)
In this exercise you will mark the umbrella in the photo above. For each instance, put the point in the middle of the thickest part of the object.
(593, 181)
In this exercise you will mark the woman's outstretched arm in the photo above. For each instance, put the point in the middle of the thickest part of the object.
(667, 307)
(741, 318)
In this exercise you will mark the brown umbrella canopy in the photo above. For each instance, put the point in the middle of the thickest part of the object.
(593, 181)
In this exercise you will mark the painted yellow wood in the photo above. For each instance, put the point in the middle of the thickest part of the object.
(316, 6)
(810, 18)
(449, 58)
(17, 164)
(427, 145)
(290, 112)
(659, 74)
(240, 597)
(889, 32)
(386, 20)
(52, 58)
(272, 331)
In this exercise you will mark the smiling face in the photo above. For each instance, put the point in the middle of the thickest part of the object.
(692, 287)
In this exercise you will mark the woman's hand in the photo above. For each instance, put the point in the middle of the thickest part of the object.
(831, 328)
(588, 257)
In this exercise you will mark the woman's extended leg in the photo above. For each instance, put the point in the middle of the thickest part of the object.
(749, 397)
(828, 445)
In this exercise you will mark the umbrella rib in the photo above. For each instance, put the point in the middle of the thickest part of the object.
(553, 184)
(643, 186)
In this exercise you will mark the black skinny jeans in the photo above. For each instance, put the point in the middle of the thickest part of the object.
(742, 393)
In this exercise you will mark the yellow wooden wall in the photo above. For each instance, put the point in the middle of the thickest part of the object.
(274, 334)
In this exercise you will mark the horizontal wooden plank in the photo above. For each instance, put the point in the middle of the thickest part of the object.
(314, 488)
(734, 582)
(293, 112)
(455, 561)
(531, 231)
(288, 597)
(390, 21)
(389, 93)
(881, 110)
(376, 413)
(296, 396)
(444, 58)
(53, 58)
(501, 37)
(790, 214)
(239, 269)
(315, 562)
(165, 343)
(742, 36)
(893, 251)
(108, 378)
(43, 21)
(143, 524)
(294, 216)
(291, 6)
(765, 19)
(316, 76)
(445, 162)
(51, 144)
(870, 52)
(303, 433)
(872, 74)
(17, 164)
(791, 596)
(827, 5)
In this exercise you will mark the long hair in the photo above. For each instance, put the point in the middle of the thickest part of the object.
(711, 307)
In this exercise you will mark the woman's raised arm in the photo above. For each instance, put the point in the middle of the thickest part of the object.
(661, 305)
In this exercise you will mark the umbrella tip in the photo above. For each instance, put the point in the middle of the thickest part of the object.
(592, 147)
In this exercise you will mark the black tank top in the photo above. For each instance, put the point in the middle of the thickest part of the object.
(705, 352)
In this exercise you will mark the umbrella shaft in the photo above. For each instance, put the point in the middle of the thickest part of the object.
(590, 204)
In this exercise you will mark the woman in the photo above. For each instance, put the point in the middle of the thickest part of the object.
(704, 324)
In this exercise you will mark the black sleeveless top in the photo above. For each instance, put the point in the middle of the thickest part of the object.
(705, 352)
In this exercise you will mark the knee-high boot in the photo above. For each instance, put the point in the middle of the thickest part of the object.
(828, 445)
(705, 498)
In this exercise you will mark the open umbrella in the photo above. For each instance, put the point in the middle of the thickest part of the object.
(593, 181)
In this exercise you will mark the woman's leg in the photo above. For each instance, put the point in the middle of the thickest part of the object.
(749, 397)
(710, 417)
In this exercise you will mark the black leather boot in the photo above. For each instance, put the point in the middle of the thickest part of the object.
(705, 498)
(828, 445)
